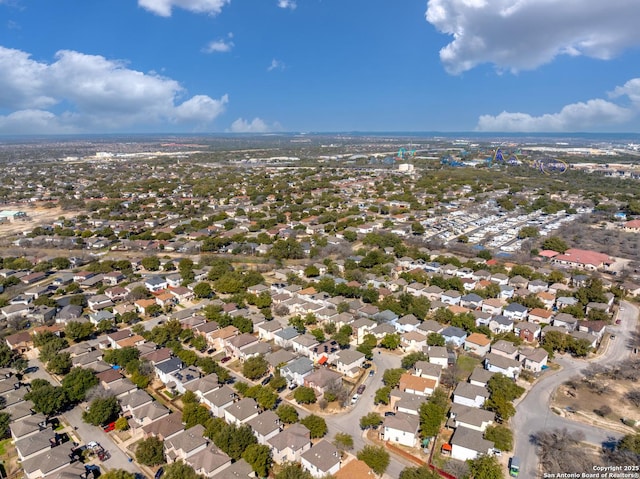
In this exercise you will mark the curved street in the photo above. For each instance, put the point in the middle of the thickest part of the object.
(534, 413)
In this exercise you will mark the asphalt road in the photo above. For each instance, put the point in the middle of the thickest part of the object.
(533, 413)
(349, 421)
(86, 432)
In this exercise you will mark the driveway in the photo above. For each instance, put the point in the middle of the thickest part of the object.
(85, 431)
(533, 413)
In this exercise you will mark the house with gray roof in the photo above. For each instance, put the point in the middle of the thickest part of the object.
(323, 380)
(401, 429)
(321, 460)
(209, 462)
(516, 311)
(238, 470)
(47, 463)
(284, 337)
(290, 444)
(165, 427)
(34, 444)
(480, 376)
(469, 417)
(454, 335)
(499, 364)
(349, 362)
(296, 371)
(242, 411)
(185, 444)
(467, 444)
(265, 426)
(469, 395)
(219, 399)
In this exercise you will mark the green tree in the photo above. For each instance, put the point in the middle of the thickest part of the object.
(47, 399)
(304, 395)
(485, 467)
(316, 425)
(630, 442)
(422, 472)
(501, 436)
(376, 457)
(117, 474)
(122, 356)
(382, 396)
(122, 424)
(259, 458)
(287, 414)
(180, 470)
(102, 411)
(6, 355)
(343, 441)
(151, 263)
(78, 382)
(311, 271)
(202, 290)
(555, 243)
(390, 341)
(194, 413)
(293, 470)
(391, 377)
(255, 367)
(60, 363)
(411, 359)
(78, 331)
(150, 451)
(232, 439)
(5, 421)
(373, 419)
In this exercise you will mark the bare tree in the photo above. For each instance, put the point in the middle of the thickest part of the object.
(457, 468)
(633, 397)
(561, 450)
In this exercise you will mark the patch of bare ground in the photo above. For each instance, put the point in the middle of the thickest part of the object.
(605, 405)
(36, 216)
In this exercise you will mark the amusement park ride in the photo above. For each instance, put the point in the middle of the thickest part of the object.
(404, 154)
(545, 165)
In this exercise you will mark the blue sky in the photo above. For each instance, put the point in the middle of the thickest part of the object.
(136, 66)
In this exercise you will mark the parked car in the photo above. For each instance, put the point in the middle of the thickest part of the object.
(618, 321)
(361, 389)
(109, 427)
(266, 380)
(225, 359)
(211, 351)
(371, 372)
(389, 413)
(159, 473)
(31, 369)
(354, 399)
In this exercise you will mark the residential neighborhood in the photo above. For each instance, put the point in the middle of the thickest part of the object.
(307, 320)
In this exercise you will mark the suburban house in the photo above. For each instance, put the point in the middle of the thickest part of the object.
(437, 355)
(265, 426)
(469, 417)
(185, 444)
(219, 399)
(290, 444)
(323, 380)
(468, 444)
(321, 460)
(516, 311)
(417, 385)
(469, 395)
(401, 429)
(500, 364)
(454, 335)
(477, 343)
(242, 411)
(349, 362)
(296, 371)
(533, 359)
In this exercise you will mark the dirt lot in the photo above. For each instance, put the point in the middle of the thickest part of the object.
(581, 402)
(36, 215)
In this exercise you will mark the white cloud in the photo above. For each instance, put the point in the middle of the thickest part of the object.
(276, 65)
(524, 34)
(291, 4)
(164, 7)
(220, 46)
(596, 114)
(257, 125)
(98, 94)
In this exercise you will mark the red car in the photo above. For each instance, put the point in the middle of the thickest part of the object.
(225, 359)
(109, 427)
(618, 321)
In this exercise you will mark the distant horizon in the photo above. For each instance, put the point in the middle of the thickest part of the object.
(433, 134)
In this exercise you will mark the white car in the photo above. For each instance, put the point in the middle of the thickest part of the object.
(355, 398)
